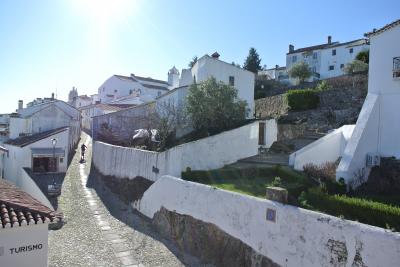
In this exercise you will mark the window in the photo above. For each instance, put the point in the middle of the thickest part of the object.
(331, 67)
(158, 93)
(341, 66)
(231, 80)
(315, 55)
(294, 59)
(130, 91)
(396, 68)
(313, 69)
(44, 164)
(351, 50)
(115, 90)
(334, 52)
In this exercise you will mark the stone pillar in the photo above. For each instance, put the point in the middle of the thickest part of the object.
(278, 194)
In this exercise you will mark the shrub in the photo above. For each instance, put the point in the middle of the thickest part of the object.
(362, 210)
(302, 99)
(322, 86)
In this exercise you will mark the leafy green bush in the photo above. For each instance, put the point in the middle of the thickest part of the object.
(302, 99)
(362, 210)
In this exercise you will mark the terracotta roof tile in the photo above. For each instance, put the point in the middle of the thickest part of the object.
(18, 208)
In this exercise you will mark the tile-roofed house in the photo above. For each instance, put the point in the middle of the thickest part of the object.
(29, 139)
(18, 208)
(156, 87)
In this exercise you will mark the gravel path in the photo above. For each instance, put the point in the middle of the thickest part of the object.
(92, 236)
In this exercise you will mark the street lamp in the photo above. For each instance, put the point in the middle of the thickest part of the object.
(54, 142)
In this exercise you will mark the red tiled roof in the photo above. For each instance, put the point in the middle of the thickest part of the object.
(18, 208)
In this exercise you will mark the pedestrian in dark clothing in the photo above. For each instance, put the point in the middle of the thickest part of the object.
(83, 149)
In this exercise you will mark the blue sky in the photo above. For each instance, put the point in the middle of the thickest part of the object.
(51, 45)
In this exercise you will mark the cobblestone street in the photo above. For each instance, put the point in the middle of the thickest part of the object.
(100, 230)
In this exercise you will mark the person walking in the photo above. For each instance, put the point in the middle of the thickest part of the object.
(83, 149)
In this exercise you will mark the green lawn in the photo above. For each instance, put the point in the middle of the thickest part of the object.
(251, 181)
(379, 210)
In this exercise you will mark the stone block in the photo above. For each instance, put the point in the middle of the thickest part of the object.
(278, 194)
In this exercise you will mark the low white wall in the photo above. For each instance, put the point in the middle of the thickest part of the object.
(363, 140)
(298, 237)
(26, 183)
(326, 149)
(204, 154)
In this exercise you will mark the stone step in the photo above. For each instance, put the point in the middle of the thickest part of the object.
(268, 159)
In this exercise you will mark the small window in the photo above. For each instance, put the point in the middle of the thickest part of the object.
(331, 67)
(61, 160)
(294, 59)
(396, 68)
(115, 90)
(351, 50)
(341, 66)
(334, 52)
(130, 91)
(313, 69)
(315, 55)
(231, 80)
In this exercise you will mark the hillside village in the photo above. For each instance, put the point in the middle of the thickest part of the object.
(217, 165)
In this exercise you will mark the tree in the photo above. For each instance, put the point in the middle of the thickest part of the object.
(363, 56)
(253, 61)
(192, 62)
(301, 71)
(214, 106)
(356, 66)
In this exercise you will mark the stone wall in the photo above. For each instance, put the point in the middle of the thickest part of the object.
(339, 105)
(271, 107)
(206, 241)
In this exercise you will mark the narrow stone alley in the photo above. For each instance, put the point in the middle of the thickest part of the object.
(100, 230)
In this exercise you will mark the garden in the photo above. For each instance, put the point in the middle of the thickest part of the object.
(321, 194)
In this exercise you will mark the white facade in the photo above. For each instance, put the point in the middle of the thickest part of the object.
(19, 157)
(207, 67)
(278, 74)
(378, 127)
(118, 86)
(296, 237)
(326, 60)
(34, 240)
(45, 117)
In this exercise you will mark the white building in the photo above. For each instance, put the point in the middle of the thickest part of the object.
(118, 86)
(326, 60)
(4, 127)
(44, 117)
(37, 153)
(23, 228)
(211, 66)
(377, 129)
(376, 133)
(278, 74)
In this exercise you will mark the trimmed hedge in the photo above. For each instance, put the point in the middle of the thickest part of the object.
(362, 210)
(302, 99)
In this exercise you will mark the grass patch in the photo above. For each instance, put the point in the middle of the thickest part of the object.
(252, 181)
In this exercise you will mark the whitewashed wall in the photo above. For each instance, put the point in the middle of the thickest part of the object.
(205, 154)
(20, 237)
(26, 183)
(326, 149)
(298, 237)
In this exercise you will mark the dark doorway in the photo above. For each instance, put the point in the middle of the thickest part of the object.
(44, 164)
(261, 133)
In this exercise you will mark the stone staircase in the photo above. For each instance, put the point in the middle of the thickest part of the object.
(278, 153)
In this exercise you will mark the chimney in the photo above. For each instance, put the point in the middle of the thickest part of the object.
(20, 104)
(215, 55)
(276, 67)
(52, 96)
(329, 39)
(291, 48)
